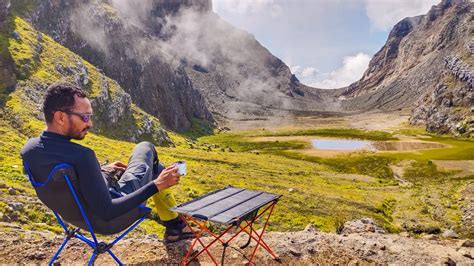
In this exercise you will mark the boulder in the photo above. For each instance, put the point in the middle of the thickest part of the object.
(364, 225)
(449, 233)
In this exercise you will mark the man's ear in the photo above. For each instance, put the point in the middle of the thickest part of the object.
(59, 118)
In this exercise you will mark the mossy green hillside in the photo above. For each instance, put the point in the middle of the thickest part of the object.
(41, 61)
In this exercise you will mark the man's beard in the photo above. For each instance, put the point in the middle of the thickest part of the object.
(73, 134)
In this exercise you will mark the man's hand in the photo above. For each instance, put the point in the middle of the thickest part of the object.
(118, 166)
(167, 178)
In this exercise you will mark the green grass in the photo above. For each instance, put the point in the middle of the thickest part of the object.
(460, 149)
(396, 206)
(337, 132)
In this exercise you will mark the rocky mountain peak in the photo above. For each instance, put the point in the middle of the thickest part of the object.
(412, 59)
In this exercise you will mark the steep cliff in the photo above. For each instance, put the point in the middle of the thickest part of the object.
(33, 60)
(449, 108)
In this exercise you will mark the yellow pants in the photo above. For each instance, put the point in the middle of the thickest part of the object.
(164, 200)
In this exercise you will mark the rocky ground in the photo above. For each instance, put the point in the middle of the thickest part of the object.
(360, 242)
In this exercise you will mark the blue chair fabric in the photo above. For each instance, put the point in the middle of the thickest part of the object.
(59, 193)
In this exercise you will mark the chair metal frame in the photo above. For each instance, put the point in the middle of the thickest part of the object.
(98, 247)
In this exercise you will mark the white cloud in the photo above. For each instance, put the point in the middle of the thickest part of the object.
(352, 69)
(308, 72)
(247, 6)
(384, 14)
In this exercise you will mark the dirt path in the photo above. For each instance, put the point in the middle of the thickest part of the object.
(398, 173)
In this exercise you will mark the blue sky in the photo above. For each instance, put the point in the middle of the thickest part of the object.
(326, 43)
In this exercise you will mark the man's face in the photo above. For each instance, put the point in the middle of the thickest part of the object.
(75, 127)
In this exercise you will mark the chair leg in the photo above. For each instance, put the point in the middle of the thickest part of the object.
(91, 261)
(115, 257)
(59, 251)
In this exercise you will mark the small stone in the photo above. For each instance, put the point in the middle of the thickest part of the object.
(36, 256)
(12, 191)
(449, 262)
(5, 218)
(311, 228)
(16, 35)
(468, 243)
(311, 250)
(449, 233)
(16, 206)
(295, 252)
(370, 252)
(291, 190)
(152, 236)
(431, 237)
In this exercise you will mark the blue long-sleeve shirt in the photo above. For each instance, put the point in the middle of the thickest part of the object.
(44, 152)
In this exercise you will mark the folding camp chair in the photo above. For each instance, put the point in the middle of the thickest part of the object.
(232, 207)
(58, 192)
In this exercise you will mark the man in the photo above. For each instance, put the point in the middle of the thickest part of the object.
(68, 115)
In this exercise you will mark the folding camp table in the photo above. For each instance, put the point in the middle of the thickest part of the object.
(233, 207)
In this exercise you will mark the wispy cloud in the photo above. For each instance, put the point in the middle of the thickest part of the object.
(352, 69)
(306, 73)
(248, 6)
(384, 14)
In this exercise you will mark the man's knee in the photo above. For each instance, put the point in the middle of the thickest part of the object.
(145, 149)
(146, 144)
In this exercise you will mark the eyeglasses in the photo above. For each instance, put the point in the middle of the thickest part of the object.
(85, 117)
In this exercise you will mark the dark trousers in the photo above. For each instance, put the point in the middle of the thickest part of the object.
(143, 167)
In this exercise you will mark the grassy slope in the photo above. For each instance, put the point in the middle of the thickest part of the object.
(41, 61)
(431, 204)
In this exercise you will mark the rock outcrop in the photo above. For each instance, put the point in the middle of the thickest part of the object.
(448, 108)
(7, 71)
(361, 226)
(460, 70)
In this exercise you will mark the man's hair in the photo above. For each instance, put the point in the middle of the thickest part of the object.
(60, 97)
